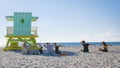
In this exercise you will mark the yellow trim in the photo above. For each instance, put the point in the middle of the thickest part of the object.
(9, 18)
(21, 36)
(34, 19)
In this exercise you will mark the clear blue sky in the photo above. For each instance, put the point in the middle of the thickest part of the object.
(67, 20)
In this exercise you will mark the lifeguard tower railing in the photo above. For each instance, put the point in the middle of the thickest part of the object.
(10, 31)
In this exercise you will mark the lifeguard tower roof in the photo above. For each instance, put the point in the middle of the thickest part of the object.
(11, 18)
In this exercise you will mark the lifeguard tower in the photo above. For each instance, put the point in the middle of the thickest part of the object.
(21, 30)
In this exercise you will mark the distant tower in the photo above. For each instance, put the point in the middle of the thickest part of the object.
(21, 30)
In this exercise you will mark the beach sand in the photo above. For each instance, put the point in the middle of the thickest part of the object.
(75, 59)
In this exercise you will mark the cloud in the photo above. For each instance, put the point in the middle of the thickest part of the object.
(112, 35)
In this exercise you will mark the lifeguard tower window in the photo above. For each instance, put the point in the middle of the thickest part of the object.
(22, 21)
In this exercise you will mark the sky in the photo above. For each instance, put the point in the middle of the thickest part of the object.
(67, 20)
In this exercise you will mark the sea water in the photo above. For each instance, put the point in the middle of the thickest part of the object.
(79, 44)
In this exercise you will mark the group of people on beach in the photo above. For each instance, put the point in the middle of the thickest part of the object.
(86, 49)
(52, 49)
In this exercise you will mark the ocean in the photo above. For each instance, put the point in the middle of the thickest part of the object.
(78, 43)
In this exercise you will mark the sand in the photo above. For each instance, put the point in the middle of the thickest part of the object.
(75, 59)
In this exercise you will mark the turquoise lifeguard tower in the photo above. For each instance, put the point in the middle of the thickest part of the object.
(21, 30)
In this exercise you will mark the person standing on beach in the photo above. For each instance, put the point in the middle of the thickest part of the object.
(49, 48)
(85, 46)
(105, 47)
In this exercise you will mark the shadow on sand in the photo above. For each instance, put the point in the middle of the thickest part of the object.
(105, 52)
(115, 51)
(45, 53)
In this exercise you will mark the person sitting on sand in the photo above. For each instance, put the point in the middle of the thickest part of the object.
(105, 47)
(25, 49)
(57, 51)
(49, 48)
(41, 49)
(85, 46)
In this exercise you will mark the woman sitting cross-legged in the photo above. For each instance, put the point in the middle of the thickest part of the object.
(57, 51)
(105, 47)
